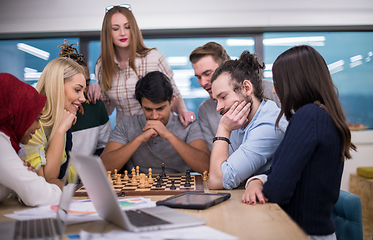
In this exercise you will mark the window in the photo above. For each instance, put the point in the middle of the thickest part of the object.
(349, 58)
(348, 55)
(27, 58)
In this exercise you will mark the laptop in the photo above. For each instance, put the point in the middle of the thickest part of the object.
(46, 228)
(94, 177)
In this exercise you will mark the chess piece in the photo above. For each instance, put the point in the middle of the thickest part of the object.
(187, 176)
(205, 176)
(163, 170)
(159, 182)
(133, 180)
(115, 173)
(187, 173)
(109, 175)
(150, 179)
(138, 172)
(119, 182)
(187, 182)
(126, 178)
(146, 180)
(173, 187)
(142, 181)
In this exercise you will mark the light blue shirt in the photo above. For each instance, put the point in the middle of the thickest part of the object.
(252, 146)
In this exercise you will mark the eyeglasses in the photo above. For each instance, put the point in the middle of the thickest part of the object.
(107, 9)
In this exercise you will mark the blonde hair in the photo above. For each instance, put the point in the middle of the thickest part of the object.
(51, 84)
(108, 69)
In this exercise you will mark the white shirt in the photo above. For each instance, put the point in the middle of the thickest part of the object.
(32, 189)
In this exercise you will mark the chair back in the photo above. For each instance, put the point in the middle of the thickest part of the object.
(347, 217)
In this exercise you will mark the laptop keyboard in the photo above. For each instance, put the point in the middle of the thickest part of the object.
(141, 219)
(36, 228)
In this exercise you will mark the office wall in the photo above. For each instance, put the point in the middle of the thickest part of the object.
(54, 16)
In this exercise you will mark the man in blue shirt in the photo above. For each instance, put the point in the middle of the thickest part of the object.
(205, 60)
(246, 137)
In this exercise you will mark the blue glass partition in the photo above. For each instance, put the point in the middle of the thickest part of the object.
(349, 58)
(348, 55)
(26, 58)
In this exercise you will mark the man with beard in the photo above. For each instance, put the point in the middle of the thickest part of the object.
(157, 136)
(205, 60)
(246, 137)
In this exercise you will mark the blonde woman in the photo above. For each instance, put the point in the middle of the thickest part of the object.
(62, 82)
(124, 59)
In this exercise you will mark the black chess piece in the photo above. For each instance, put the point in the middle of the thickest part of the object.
(159, 182)
(187, 182)
(163, 170)
(173, 187)
(160, 179)
(187, 173)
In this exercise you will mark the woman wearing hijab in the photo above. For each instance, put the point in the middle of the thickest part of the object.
(20, 110)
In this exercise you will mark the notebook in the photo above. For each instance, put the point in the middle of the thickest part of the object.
(46, 228)
(94, 177)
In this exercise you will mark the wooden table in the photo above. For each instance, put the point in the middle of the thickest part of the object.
(244, 221)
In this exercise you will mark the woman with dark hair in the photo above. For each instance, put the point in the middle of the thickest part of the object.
(124, 58)
(307, 166)
(20, 111)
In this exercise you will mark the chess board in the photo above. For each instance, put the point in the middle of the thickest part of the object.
(126, 188)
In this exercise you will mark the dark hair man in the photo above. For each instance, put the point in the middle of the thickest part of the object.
(205, 60)
(156, 136)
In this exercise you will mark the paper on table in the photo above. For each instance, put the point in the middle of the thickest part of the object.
(79, 211)
(199, 232)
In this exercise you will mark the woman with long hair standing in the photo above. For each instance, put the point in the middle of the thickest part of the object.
(124, 59)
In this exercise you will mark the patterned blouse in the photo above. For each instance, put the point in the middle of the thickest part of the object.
(121, 94)
(36, 149)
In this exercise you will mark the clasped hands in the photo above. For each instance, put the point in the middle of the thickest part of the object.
(154, 128)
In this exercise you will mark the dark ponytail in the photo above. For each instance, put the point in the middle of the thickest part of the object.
(247, 67)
